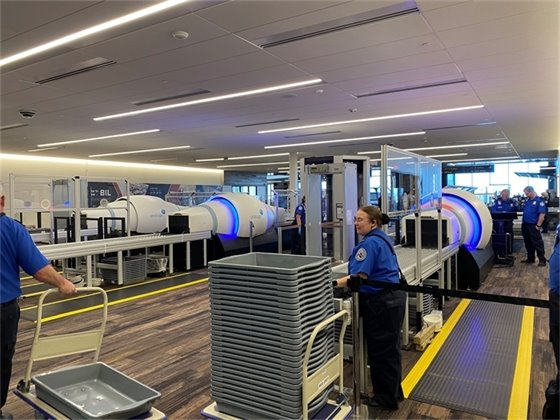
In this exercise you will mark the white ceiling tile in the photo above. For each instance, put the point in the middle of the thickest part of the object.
(359, 37)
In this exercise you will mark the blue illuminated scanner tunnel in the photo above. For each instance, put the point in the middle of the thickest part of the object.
(232, 210)
(474, 221)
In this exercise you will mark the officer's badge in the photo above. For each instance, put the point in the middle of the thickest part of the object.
(361, 254)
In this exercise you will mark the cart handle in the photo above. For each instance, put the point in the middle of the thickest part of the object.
(44, 348)
(331, 370)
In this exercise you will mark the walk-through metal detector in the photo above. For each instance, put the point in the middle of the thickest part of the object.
(344, 201)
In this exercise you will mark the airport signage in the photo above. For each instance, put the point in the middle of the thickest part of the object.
(464, 169)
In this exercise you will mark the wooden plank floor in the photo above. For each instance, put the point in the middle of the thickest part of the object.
(164, 342)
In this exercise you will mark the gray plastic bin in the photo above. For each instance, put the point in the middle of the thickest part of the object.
(94, 391)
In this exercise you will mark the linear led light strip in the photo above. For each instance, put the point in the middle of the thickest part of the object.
(252, 164)
(213, 99)
(112, 136)
(385, 117)
(50, 159)
(132, 152)
(242, 157)
(92, 30)
(482, 159)
(386, 136)
(430, 156)
(415, 149)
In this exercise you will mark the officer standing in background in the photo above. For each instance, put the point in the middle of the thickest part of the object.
(18, 250)
(298, 235)
(504, 203)
(534, 211)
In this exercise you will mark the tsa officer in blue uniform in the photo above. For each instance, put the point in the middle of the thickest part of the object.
(382, 310)
(504, 204)
(534, 211)
(18, 250)
(554, 296)
(298, 245)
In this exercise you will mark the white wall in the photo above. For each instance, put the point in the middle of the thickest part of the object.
(67, 168)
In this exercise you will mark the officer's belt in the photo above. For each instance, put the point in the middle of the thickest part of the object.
(354, 283)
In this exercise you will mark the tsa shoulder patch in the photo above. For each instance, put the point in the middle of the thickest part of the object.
(541, 204)
(361, 254)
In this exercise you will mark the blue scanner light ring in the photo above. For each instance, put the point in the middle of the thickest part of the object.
(232, 209)
(473, 215)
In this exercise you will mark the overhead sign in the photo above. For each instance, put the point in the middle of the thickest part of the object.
(463, 169)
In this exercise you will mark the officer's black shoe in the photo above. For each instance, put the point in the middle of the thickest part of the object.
(374, 402)
(542, 264)
(528, 261)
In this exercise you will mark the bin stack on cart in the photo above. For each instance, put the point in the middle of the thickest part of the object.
(263, 310)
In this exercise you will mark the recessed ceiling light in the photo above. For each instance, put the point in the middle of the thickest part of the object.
(354, 139)
(258, 156)
(361, 120)
(135, 133)
(92, 30)
(52, 159)
(43, 149)
(209, 160)
(132, 152)
(252, 164)
(213, 99)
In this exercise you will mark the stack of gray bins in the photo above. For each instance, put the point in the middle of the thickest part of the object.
(263, 310)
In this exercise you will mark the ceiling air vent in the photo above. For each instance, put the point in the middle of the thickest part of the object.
(298, 136)
(266, 122)
(83, 67)
(377, 15)
(412, 87)
(189, 94)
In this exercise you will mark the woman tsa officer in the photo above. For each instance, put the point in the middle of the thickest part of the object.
(382, 310)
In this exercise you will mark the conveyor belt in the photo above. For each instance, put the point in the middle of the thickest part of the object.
(407, 261)
(115, 295)
(478, 366)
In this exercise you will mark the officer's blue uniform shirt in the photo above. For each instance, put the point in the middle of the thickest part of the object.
(532, 209)
(554, 265)
(373, 257)
(301, 211)
(16, 250)
(503, 205)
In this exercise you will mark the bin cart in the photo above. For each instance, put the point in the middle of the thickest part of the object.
(91, 391)
(314, 384)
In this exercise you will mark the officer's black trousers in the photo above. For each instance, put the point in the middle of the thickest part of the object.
(383, 315)
(533, 242)
(9, 318)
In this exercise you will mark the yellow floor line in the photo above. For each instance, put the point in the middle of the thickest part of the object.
(519, 400)
(27, 308)
(431, 352)
(119, 301)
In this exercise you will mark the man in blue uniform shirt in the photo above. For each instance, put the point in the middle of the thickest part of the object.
(534, 211)
(299, 219)
(18, 250)
(504, 204)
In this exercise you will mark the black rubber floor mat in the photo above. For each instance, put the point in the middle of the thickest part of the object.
(473, 371)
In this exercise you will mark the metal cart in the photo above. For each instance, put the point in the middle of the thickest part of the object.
(48, 393)
(314, 384)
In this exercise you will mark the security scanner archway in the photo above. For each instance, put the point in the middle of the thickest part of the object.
(345, 203)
